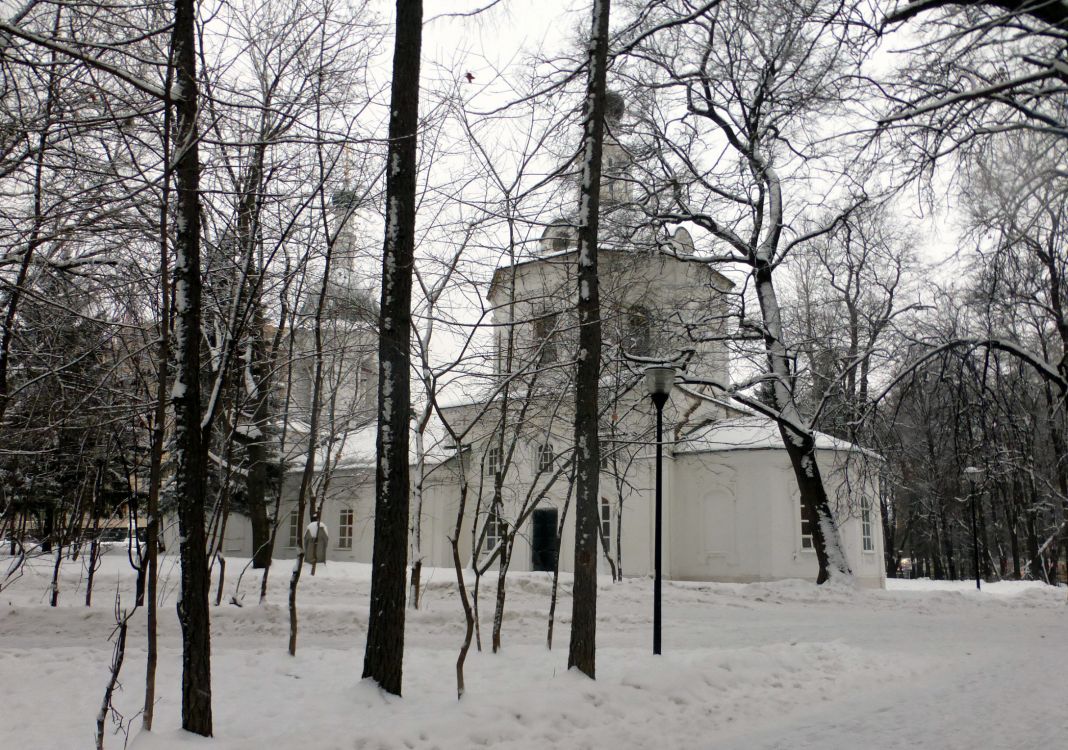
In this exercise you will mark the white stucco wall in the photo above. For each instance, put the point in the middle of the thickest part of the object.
(754, 532)
(728, 516)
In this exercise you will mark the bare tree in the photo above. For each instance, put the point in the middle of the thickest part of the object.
(189, 440)
(384, 655)
(726, 139)
(582, 653)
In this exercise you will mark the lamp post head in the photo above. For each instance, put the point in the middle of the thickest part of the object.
(658, 380)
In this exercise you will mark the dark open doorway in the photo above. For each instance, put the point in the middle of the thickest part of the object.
(544, 542)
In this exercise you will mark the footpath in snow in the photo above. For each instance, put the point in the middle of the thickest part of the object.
(776, 665)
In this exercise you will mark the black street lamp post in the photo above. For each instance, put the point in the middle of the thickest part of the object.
(973, 475)
(658, 381)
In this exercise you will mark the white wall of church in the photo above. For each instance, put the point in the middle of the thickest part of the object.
(728, 516)
(737, 517)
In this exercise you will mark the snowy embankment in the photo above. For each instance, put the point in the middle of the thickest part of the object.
(776, 665)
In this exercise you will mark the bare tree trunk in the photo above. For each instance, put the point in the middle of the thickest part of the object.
(502, 590)
(306, 493)
(94, 556)
(417, 520)
(256, 484)
(155, 471)
(457, 563)
(117, 657)
(583, 649)
(556, 571)
(384, 655)
(259, 369)
(469, 616)
(190, 454)
(474, 608)
(619, 539)
(215, 546)
(94, 545)
(606, 549)
(800, 445)
(285, 428)
(54, 601)
(222, 577)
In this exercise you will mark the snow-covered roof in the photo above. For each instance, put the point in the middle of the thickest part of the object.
(750, 432)
(358, 447)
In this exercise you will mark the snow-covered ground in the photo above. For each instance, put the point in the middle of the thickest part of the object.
(778, 665)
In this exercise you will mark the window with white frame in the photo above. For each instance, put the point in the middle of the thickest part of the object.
(344, 528)
(496, 528)
(493, 461)
(606, 519)
(545, 457)
(294, 530)
(865, 526)
(806, 528)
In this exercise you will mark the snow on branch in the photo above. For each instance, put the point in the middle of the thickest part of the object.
(798, 428)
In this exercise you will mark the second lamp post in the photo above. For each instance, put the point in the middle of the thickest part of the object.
(658, 381)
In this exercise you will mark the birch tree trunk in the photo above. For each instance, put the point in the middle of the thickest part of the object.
(384, 654)
(582, 653)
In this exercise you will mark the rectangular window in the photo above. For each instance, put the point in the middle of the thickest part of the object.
(294, 530)
(493, 461)
(606, 519)
(865, 526)
(544, 328)
(496, 528)
(545, 457)
(806, 529)
(639, 333)
(344, 529)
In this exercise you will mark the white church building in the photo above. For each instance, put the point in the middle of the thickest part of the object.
(731, 506)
